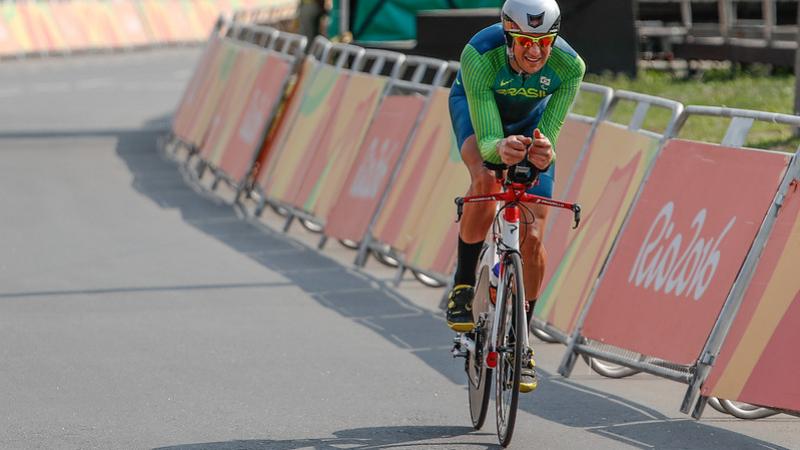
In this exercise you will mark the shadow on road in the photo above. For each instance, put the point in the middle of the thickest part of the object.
(371, 303)
(357, 438)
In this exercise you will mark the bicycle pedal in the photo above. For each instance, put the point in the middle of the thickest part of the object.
(457, 351)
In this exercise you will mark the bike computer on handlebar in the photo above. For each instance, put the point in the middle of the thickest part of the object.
(523, 172)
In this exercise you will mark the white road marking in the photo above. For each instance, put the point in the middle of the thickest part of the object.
(625, 438)
(609, 398)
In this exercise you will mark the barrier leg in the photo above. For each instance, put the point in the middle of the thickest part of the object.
(698, 408)
(570, 357)
(401, 270)
(322, 241)
(262, 203)
(363, 251)
(288, 224)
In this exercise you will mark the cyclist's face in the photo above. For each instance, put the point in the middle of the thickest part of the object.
(531, 58)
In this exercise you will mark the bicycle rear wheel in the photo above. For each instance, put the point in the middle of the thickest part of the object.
(479, 378)
(510, 347)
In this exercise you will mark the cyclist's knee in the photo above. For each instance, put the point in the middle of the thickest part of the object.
(483, 183)
(533, 240)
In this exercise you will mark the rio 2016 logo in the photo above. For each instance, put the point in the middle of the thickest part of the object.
(665, 263)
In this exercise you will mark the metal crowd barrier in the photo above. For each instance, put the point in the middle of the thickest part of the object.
(693, 373)
(355, 122)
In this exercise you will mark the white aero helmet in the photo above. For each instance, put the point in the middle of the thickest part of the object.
(531, 16)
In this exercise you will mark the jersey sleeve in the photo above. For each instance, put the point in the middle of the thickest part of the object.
(570, 69)
(478, 77)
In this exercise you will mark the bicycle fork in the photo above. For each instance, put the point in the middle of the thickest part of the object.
(507, 243)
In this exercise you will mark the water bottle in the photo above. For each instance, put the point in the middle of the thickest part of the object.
(494, 277)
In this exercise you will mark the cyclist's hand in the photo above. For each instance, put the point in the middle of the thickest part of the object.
(540, 152)
(513, 148)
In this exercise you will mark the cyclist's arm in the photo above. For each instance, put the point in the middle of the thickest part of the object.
(478, 75)
(571, 70)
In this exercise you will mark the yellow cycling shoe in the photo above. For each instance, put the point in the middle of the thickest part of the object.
(459, 309)
(528, 382)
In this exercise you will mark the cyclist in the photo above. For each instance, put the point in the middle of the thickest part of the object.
(517, 80)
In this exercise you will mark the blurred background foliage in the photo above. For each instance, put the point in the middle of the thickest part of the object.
(756, 87)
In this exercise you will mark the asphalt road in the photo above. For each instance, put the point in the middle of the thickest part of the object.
(137, 312)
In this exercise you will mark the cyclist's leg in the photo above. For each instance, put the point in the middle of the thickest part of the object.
(533, 252)
(534, 255)
(534, 258)
(475, 221)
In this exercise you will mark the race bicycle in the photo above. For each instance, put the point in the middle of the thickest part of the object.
(499, 341)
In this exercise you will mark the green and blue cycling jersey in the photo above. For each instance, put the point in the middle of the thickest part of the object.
(490, 100)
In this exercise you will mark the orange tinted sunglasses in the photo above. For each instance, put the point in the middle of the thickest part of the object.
(527, 41)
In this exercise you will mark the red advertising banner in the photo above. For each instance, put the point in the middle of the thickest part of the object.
(242, 145)
(379, 153)
(685, 241)
(759, 362)
(605, 184)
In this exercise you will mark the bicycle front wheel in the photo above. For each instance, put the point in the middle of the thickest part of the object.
(509, 346)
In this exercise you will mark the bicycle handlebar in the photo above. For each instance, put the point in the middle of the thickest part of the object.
(519, 178)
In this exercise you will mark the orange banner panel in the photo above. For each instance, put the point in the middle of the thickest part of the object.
(683, 246)
(207, 12)
(42, 29)
(70, 23)
(368, 179)
(197, 89)
(309, 129)
(427, 155)
(568, 148)
(329, 165)
(126, 23)
(759, 362)
(156, 21)
(282, 127)
(267, 90)
(213, 89)
(233, 99)
(13, 34)
(433, 248)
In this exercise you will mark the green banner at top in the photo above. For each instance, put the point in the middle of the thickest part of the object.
(393, 20)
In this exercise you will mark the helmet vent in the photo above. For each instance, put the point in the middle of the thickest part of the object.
(535, 21)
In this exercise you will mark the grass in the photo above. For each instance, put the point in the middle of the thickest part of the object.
(753, 89)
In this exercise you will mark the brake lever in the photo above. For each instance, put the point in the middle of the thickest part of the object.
(576, 212)
(459, 208)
